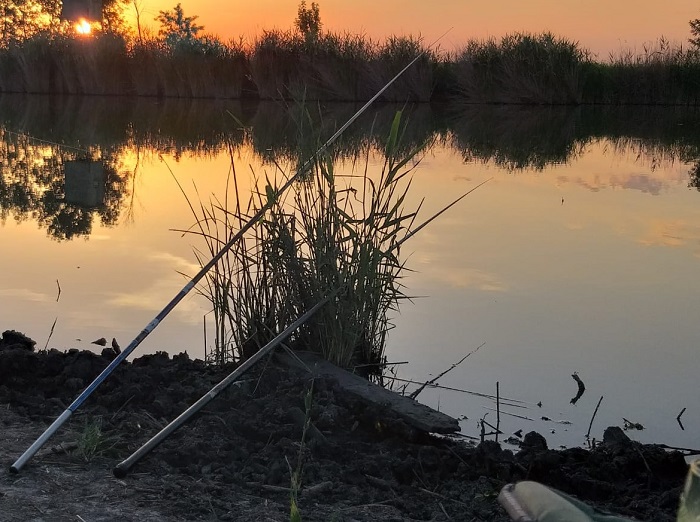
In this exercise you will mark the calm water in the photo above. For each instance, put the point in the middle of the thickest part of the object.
(580, 255)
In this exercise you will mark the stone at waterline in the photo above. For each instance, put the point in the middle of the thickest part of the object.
(12, 339)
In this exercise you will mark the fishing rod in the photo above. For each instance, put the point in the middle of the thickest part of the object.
(44, 437)
(123, 467)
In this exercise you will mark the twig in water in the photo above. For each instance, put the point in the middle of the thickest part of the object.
(679, 419)
(477, 394)
(498, 410)
(496, 431)
(689, 451)
(434, 380)
(581, 388)
(379, 364)
(59, 290)
(588, 433)
(50, 333)
(204, 318)
(510, 414)
(629, 425)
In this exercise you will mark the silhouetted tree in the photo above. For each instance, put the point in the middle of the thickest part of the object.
(174, 25)
(308, 21)
(23, 19)
(113, 17)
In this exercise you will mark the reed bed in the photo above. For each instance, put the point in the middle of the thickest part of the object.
(328, 232)
(660, 74)
(334, 67)
(521, 68)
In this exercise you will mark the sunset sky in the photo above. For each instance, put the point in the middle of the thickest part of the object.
(601, 26)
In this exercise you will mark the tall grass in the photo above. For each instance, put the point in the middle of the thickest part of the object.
(339, 67)
(106, 65)
(328, 232)
(520, 68)
(660, 74)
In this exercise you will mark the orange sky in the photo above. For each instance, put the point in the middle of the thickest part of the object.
(599, 25)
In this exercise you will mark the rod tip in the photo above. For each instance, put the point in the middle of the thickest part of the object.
(14, 469)
(119, 471)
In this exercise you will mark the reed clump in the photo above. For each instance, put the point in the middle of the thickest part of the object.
(328, 233)
(521, 68)
(661, 74)
(187, 68)
(339, 67)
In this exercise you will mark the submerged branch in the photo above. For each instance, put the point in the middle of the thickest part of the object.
(581, 388)
(434, 380)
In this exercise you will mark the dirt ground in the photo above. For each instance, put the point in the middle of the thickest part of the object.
(233, 461)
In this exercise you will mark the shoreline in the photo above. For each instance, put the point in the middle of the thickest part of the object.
(231, 460)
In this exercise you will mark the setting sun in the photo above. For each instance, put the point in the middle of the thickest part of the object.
(83, 27)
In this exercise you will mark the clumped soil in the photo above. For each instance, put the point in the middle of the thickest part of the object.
(232, 461)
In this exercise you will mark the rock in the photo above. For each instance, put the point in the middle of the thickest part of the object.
(489, 448)
(615, 435)
(535, 441)
(109, 353)
(14, 339)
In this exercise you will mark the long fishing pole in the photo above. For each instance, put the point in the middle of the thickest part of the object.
(31, 451)
(123, 467)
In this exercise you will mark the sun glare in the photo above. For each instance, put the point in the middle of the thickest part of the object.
(83, 27)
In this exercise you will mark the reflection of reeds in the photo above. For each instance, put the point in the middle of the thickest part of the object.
(518, 138)
(329, 232)
(513, 136)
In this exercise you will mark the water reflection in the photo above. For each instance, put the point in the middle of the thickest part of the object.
(512, 137)
(46, 183)
(43, 137)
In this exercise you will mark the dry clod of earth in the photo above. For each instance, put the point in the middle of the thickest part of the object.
(232, 461)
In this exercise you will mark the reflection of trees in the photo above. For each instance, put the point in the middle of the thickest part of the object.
(32, 183)
(32, 186)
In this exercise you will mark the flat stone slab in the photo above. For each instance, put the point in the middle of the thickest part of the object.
(415, 414)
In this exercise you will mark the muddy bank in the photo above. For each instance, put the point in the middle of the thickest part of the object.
(233, 460)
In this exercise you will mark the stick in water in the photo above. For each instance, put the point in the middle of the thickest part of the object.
(590, 425)
(31, 451)
(123, 467)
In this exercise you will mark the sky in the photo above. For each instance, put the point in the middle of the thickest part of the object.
(602, 26)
